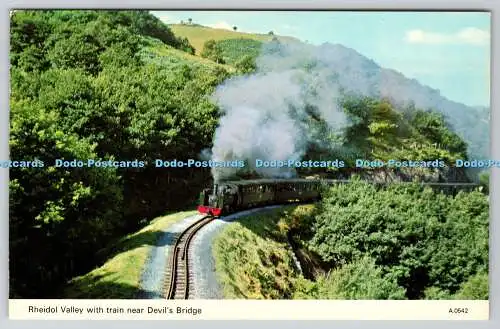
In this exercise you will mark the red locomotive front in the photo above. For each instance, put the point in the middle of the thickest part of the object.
(208, 203)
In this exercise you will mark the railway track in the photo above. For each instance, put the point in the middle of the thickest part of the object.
(177, 283)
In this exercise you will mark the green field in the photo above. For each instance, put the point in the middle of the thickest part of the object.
(198, 35)
(164, 54)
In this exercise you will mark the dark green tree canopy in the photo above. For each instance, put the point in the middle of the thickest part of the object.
(92, 85)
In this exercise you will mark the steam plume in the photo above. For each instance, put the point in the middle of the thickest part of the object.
(267, 114)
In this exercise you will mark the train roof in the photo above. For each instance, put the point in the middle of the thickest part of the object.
(309, 180)
(274, 181)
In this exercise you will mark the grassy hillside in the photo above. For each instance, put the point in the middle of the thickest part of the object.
(197, 35)
(120, 84)
(252, 260)
(157, 52)
(120, 276)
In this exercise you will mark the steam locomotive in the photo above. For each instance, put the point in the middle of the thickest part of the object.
(231, 196)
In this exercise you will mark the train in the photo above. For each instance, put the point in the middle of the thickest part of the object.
(232, 196)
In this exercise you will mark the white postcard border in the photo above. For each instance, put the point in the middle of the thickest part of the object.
(191, 4)
(60, 309)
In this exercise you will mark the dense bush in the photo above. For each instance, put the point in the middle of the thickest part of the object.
(58, 217)
(476, 287)
(361, 279)
(419, 237)
(252, 260)
(211, 50)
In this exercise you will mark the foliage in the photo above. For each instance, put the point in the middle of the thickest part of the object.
(211, 50)
(99, 85)
(253, 260)
(198, 35)
(384, 243)
(359, 280)
(433, 126)
(240, 51)
(420, 237)
(476, 287)
(120, 85)
(484, 180)
(66, 38)
(379, 131)
(463, 247)
(246, 65)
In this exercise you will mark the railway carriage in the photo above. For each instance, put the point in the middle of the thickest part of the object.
(231, 196)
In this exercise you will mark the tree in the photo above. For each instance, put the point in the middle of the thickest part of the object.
(246, 64)
(96, 85)
(235, 28)
(212, 51)
(72, 212)
(190, 20)
(433, 126)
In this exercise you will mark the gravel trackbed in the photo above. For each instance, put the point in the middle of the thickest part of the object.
(201, 262)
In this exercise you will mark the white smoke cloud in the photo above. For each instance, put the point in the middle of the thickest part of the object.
(266, 114)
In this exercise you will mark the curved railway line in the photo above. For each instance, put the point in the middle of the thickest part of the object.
(178, 274)
(177, 281)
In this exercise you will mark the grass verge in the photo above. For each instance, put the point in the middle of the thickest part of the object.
(252, 256)
(119, 277)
